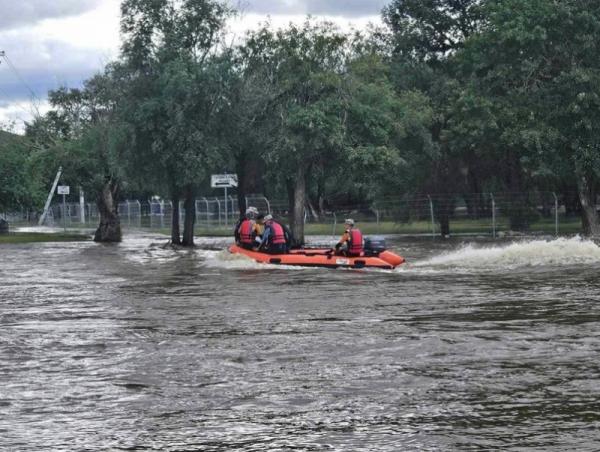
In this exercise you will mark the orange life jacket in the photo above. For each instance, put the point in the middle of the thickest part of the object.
(278, 236)
(355, 244)
(246, 232)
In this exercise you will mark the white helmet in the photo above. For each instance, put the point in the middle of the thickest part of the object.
(349, 221)
(251, 211)
(268, 217)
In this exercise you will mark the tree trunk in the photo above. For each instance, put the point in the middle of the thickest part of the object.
(443, 211)
(175, 231)
(589, 214)
(313, 211)
(518, 202)
(290, 187)
(298, 209)
(109, 229)
(250, 169)
(571, 200)
(190, 217)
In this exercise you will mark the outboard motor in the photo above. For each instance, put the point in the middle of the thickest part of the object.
(374, 246)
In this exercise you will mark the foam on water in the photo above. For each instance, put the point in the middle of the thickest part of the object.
(531, 253)
(226, 260)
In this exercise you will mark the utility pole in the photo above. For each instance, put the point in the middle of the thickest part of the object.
(50, 195)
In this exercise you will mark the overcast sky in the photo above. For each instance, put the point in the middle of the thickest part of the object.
(54, 43)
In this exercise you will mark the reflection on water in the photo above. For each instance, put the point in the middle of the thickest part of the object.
(473, 345)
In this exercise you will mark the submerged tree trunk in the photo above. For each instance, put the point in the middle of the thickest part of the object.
(589, 214)
(190, 217)
(298, 209)
(175, 230)
(109, 229)
(518, 201)
(444, 206)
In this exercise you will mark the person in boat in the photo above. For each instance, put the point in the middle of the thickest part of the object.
(351, 242)
(273, 240)
(290, 242)
(244, 229)
(259, 229)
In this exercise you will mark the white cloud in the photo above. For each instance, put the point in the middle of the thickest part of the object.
(15, 13)
(332, 8)
(55, 43)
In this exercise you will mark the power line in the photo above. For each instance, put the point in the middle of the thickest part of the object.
(22, 80)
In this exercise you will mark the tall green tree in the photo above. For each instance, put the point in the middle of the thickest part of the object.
(424, 38)
(537, 63)
(173, 93)
(303, 66)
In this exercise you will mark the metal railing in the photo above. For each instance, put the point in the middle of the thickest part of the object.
(494, 214)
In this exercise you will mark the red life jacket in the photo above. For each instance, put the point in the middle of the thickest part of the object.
(355, 245)
(278, 236)
(246, 232)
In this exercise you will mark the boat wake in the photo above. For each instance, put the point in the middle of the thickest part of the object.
(532, 253)
(229, 261)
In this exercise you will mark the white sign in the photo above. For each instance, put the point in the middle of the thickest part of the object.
(63, 189)
(224, 180)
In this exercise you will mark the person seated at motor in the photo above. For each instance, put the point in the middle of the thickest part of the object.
(244, 229)
(351, 243)
(273, 240)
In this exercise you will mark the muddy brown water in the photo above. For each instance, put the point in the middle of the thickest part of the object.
(475, 345)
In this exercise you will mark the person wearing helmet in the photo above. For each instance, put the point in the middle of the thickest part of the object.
(273, 240)
(351, 243)
(244, 229)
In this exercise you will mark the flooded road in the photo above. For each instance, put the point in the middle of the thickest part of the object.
(475, 345)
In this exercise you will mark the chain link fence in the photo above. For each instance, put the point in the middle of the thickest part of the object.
(493, 214)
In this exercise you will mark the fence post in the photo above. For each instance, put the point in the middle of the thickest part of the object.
(207, 213)
(432, 216)
(162, 214)
(555, 214)
(128, 213)
(219, 206)
(139, 215)
(493, 215)
(268, 204)
(81, 206)
(377, 215)
(234, 214)
(334, 224)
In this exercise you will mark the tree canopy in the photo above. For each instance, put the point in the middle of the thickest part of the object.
(450, 96)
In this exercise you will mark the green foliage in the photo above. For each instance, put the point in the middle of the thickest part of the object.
(174, 85)
(19, 188)
(453, 96)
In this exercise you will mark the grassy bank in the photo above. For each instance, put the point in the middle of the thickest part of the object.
(40, 237)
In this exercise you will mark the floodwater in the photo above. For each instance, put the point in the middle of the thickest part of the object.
(475, 345)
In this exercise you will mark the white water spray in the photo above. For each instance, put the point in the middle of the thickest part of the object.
(532, 253)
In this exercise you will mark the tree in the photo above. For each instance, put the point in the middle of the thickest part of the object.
(173, 93)
(19, 186)
(306, 103)
(82, 135)
(425, 36)
(538, 63)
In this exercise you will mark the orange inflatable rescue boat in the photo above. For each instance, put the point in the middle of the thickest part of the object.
(319, 257)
